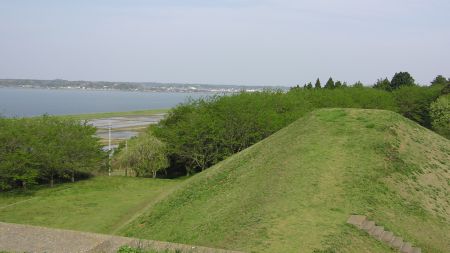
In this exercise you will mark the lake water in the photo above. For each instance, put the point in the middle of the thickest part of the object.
(31, 102)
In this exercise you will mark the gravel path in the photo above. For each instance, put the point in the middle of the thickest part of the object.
(26, 238)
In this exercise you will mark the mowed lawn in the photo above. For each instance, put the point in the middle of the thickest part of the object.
(101, 204)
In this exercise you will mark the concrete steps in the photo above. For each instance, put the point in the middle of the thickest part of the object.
(379, 233)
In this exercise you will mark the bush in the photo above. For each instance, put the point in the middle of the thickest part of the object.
(440, 115)
(414, 102)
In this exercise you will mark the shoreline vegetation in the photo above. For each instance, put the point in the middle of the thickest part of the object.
(102, 115)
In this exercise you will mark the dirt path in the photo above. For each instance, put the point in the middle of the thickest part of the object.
(15, 203)
(142, 209)
(26, 238)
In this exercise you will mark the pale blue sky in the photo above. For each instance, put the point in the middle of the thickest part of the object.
(267, 42)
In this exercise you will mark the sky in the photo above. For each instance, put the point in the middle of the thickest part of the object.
(246, 42)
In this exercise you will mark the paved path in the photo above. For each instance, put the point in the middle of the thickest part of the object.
(26, 238)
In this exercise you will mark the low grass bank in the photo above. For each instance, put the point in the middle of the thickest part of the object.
(101, 204)
(101, 115)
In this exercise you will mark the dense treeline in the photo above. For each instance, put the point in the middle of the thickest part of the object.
(44, 149)
(202, 132)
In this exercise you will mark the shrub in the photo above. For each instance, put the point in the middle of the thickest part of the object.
(440, 115)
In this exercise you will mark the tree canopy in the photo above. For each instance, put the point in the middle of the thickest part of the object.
(317, 85)
(329, 84)
(45, 148)
(401, 79)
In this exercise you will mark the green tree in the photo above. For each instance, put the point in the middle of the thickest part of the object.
(358, 84)
(383, 84)
(439, 80)
(146, 155)
(446, 89)
(401, 79)
(329, 84)
(81, 150)
(338, 84)
(317, 85)
(309, 86)
(16, 154)
(440, 115)
(414, 102)
(297, 87)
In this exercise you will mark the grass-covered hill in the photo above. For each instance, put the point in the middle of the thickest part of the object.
(294, 191)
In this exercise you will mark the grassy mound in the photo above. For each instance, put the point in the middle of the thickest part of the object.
(294, 191)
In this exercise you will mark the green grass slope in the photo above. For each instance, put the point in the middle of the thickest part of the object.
(101, 204)
(294, 191)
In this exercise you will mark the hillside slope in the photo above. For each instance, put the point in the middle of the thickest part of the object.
(294, 191)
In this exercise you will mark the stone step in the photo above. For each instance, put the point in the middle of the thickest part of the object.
(379, 233)
(368, 225)
(397, 243)
(406, 248)
(357, 220)
(387, 236)
(376, 231)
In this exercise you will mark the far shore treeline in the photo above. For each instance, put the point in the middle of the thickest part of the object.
(199, 133)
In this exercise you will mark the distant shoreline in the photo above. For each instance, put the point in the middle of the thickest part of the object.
(120, 90)
(132, 86)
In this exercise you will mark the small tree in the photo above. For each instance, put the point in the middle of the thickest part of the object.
(401, 79)
(358, 84)
(329, 84)
(317, 85)
(309, 86)
(146, 155)
(439, 80)
(446, 89)
(383, 84)
(338, 85)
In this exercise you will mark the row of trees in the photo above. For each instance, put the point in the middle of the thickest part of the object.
(43, 149)
(400, 79)
(202, 132)
(330, 84)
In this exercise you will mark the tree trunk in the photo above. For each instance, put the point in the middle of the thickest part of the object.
(73, 176)
(154, 174)
(51, 180)
(24, 185)
(126, 171)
